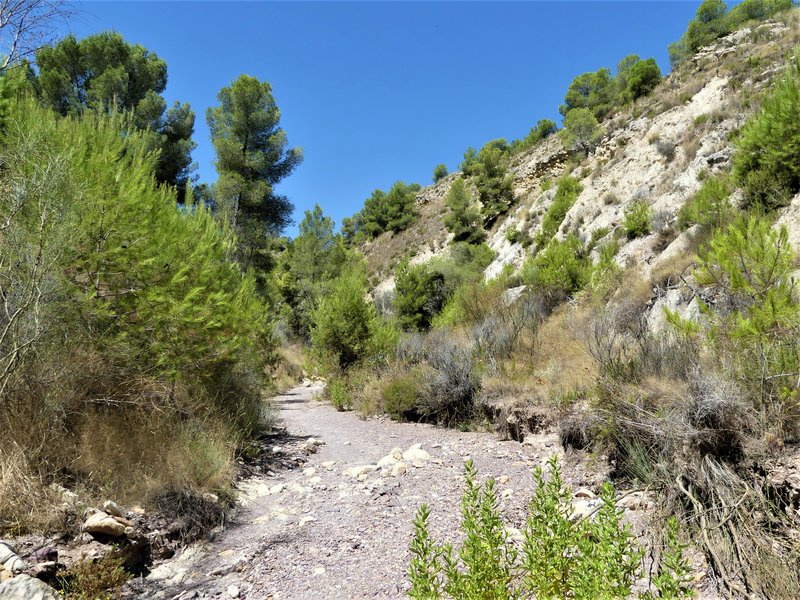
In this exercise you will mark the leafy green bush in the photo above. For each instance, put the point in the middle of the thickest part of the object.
(709, 207)
(343, 322)
(592, 91)
(401, 395)
(581, 131)
(340, 394)
(638, 220)
(765, 162)
(566, 194)
(639, 79)
(562, 557)
(419, 295)
(439, 172)
(560, 269)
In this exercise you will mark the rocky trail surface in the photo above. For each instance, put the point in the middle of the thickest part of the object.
(339, 525)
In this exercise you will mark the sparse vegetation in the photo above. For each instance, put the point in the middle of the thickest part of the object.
(561, 557)
(638, 220)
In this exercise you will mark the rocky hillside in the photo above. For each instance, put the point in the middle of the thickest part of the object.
(658, 151)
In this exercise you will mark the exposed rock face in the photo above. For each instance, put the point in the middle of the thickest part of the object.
(657, 151)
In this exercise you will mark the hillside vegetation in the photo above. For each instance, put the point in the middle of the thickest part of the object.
(627, 279)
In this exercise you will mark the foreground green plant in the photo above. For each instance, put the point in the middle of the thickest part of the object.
(561, 556)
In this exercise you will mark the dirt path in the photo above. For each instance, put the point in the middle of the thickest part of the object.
(321, 531)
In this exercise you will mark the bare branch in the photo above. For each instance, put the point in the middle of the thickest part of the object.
(28, 25)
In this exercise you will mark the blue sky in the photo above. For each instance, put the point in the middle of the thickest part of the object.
(380, 91)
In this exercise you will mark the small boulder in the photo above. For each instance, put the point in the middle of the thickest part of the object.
(112, 508)
(387, 461)
(415, 454)
(399, 469)
(364, 470)
(585, 493)
(25, 587)
(102, 523)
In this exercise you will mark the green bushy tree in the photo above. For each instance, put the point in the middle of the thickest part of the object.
(593, 91)
(343, 322)
(104, 73)
(439, 172)
(710, 206)
(419, 295)
(559, 269)
(253, 155)
(767, 158)
(149, 277)
(311, 261)
(581, 130)
(495, 185)
(638, 79)
(464, 218)
(394, 210)
(749, 264)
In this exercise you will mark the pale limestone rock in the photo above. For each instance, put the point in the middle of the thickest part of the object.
(105, 524)
(584, 493)
(112, 508)
(306, 520)
(387, 461)
(357, 472)
(415, 454)
(399, 469)
(309, 472)
(25, 587)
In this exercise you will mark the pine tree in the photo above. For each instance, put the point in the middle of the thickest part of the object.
(253, 155)
(767, 158)
(464, 219)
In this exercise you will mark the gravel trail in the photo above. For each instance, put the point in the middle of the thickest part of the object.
(331, 529)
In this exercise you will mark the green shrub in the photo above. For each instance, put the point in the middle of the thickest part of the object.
(561, 557)
(515, 236)
(566, 194)
(464, 218)
(638, 220)
(343, 322)
(419, 295)
(95, 579)
(439, 173)
(750, 265)
(560, 269)
(394, 210)
(709, 207)
(340, 394)
(400, 395)
(765, 163)
(495, 185)
(581, 131)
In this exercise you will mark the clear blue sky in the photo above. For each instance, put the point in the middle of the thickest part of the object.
(380, 91)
